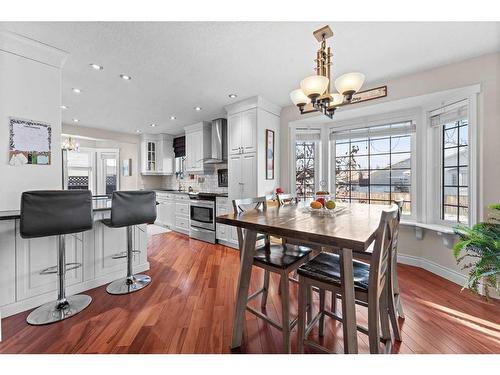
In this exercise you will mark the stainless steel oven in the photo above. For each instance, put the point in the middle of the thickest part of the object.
(202, 217)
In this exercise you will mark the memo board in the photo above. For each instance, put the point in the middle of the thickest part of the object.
(31, 139)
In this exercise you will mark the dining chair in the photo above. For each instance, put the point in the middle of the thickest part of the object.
(286, 199)
(282, 259)
(371, 286)
(395, 304)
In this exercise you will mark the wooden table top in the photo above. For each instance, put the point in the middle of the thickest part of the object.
(354, 227)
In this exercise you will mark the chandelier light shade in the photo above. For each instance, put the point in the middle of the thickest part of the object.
(337, 99)
(349, 84)
(314, 86)
(298, 98)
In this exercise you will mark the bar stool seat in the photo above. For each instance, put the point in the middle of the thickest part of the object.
(326, 268)
(280, 256)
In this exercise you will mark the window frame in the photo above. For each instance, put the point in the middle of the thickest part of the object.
(317, 163)
(410, 115)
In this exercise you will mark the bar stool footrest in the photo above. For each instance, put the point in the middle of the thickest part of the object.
(54, 270)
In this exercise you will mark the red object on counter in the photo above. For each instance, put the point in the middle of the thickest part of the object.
(279, 190)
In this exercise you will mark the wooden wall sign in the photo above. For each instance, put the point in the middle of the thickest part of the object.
(363, 96)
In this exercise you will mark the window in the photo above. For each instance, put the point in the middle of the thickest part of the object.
(305, 156)
(374, 165)
(307, 148)
(79, 170)
(453, 126)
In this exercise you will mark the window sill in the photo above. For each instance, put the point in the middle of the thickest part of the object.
(447, 234)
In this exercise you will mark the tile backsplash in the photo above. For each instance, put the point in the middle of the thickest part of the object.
(202, 182)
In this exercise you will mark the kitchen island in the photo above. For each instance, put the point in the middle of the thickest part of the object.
(22, 260)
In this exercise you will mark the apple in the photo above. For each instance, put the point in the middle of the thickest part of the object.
(322, 201)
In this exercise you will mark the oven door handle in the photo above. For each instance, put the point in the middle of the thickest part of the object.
(204, 205)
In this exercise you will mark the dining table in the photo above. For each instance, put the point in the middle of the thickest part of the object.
(350, 227)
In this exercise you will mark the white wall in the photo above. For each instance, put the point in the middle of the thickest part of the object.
(484, 70)
(30, 88)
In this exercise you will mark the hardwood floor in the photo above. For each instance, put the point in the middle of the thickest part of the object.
(188, 308)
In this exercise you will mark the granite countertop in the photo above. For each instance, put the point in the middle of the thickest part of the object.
(100, 203)
(186, 192)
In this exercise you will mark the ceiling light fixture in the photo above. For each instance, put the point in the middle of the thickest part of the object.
(137, 131)
(64, 107)
(76, 90)
(75, 120)
(96, 67)
(314, 93)
(153, 125)
(232, 96)
(172, 117)
(125, 77)
(69, 144)
(197, 108)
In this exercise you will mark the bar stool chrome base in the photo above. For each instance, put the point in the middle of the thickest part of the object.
(128, 284)
(56, 311)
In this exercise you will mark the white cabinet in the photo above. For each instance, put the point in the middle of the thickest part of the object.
(7, 262)
(181, 212)
(243, 132)
(165, 209)
(157, 154)
(198, 146)
(225, 233)
(242, 176)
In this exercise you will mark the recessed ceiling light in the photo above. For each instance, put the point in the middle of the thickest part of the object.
(197, 108)
(232, 96)
(137, 131)
(64, 107)
(75, 120)
(76, 91)
(125, 77)
(172, 117)
(153, 125)
(96, 67)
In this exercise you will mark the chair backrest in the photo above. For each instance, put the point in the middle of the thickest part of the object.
(380, 265)
(133, 208)
(55, 212)
(247, 204)
(399, 203)
(287, 199)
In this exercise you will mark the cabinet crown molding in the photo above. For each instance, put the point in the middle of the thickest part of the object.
(32, 49)
(253, 102)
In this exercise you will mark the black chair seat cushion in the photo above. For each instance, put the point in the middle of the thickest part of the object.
(280, 256)
(55, 212)
(326, 268)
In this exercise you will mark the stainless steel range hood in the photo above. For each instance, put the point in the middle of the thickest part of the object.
(219, 142)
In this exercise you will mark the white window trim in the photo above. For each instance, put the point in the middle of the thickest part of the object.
(318, 150)
(434, 161)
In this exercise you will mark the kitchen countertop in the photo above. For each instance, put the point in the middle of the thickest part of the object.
(186, 192)
(98, 204)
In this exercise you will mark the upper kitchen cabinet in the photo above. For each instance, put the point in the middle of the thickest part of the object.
(157, 154)
(243, 131)
(198, 146)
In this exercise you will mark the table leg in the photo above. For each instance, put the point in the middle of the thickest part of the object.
(348, 303)
(248, 250)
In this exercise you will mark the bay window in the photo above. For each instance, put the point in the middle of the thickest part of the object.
(307, 162)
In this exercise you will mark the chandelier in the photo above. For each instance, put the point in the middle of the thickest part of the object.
(69, 144)
(314, 93)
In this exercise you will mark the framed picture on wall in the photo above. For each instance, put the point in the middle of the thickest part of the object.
(127, 167)
(269, 154)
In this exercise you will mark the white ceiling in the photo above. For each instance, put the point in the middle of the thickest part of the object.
(176, 66)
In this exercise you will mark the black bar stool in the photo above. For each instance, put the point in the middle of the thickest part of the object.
(57, 213)
(129, 208)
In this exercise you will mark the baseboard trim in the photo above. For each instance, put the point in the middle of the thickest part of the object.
(30, 303)
(437, 269)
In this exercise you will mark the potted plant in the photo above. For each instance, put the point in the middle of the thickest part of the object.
(478, 250)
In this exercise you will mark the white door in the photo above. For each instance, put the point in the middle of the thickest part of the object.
(107, 171)
(249, 176)
(248, 130)
(234, 130)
